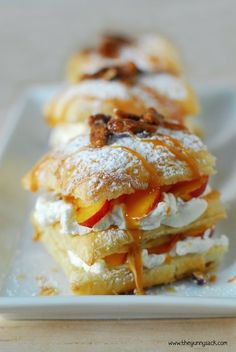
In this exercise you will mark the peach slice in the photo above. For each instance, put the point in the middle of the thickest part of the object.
(116, 259)
(170, 244)
(165, 247)
(90, 215)
(140, 203)
(200, 190)
(189, 189)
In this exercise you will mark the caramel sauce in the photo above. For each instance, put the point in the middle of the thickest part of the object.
(134, 255)
(169, 107)
(179, 151)
(135, 260)
(153, 174)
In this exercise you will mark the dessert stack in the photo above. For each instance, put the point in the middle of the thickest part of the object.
(125, 200)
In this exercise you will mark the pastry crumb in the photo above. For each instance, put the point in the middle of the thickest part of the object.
(232, 280)
(48, 291)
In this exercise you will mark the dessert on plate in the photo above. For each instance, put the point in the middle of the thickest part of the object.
(123, 87)
(128, 206)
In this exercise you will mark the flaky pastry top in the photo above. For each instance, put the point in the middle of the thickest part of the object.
(123, 160)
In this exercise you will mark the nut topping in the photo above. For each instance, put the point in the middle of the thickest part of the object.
(110, 73)
(98, 130)
(103, 126)
(110, 45)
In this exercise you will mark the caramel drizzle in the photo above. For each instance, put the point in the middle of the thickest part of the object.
(153, 174)
(134, 257)
(173, 109)
(179, 151)
(135, 260)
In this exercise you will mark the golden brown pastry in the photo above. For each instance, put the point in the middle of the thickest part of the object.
(128, 206)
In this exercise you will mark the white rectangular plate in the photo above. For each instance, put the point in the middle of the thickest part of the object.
(25, 265)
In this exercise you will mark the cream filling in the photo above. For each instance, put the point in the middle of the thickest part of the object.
(149, 261)
(172, 211)
(49, 210)
(190, 245)
(95, 268)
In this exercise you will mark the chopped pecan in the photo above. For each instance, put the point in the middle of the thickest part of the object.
(153, 117)
(103, 126)
(125, 71)
(98, 130)
(125, 122)
(118, 114)
(110, 45)
(129, 125)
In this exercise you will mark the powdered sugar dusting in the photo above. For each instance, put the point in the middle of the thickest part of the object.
(102, 167)
(166, 84)
(189, 141)
(112, 170)
(99, 89)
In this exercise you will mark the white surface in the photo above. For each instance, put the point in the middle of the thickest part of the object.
(25, 265)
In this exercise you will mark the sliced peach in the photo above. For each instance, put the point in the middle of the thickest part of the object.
(116, 259)
(199, 191)
(90, 215)
(165, 247)
(189, 189)
(170, 244)
(141, 202)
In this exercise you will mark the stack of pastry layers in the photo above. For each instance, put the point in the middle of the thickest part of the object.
(126, 204)
(131, 75)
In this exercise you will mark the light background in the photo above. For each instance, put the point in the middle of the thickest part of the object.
(37, 37)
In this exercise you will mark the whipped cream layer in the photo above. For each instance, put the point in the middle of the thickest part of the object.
(190, 245)
(172, 211)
